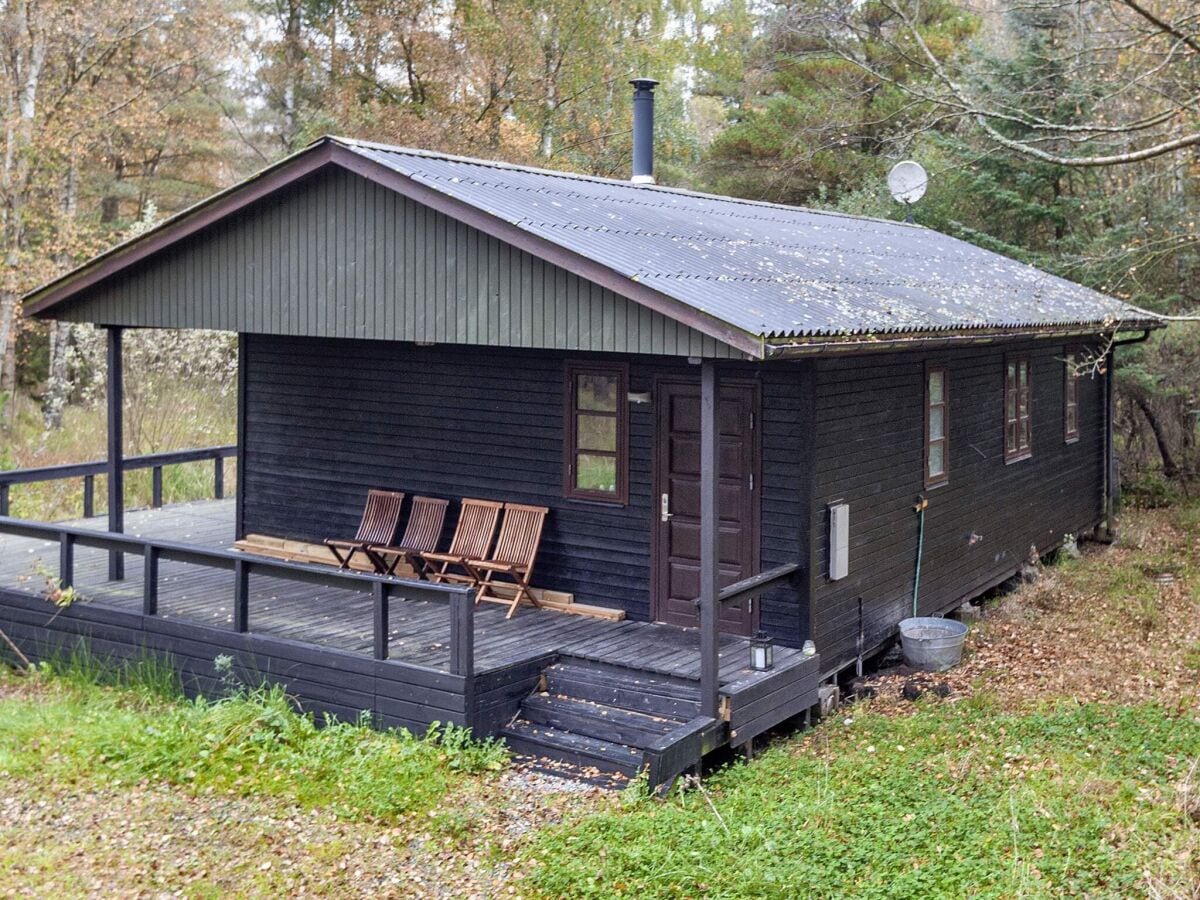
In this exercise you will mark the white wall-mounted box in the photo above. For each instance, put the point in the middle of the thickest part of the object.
(839, 540)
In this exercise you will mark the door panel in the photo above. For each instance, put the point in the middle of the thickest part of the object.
(677, 461)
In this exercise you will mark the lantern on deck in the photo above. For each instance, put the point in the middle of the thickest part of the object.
(762, 652)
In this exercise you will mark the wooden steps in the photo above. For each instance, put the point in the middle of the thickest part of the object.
(614, 719)
(625, 688)
(528, 739)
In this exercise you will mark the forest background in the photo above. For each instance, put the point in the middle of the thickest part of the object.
(1066, 134)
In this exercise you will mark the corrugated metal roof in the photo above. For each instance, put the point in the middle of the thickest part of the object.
(778, 272)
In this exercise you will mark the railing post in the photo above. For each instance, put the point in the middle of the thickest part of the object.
(4, 499)
(116, 450)
(379, 595)
(156, 487)
(219, 477)
(66, 560)
(89, 496)
(150, 581)
(710, 639)
(241, 596)
(462, 633)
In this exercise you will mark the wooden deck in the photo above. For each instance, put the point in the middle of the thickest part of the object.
(342, 620)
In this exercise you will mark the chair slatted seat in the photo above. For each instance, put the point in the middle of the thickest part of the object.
(380, 520)
(472, 538)
(514, 556)
(421, 534)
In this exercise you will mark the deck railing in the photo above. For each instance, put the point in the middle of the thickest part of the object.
(382, 588)
(89, 470)
(746, 589)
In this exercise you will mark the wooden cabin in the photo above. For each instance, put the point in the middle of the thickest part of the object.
(884, 403)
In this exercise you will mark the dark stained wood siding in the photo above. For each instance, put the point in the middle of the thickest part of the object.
(327, 419)
(869, 421)
(787, 412)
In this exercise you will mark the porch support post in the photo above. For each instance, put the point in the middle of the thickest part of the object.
(709, 534)
(116, 450)
(240, 462)
(1112, 476)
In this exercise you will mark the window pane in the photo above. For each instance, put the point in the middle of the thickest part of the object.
(596, 433)
(936, 422)
(1010, 406)
(936, 385)
(1023, 435)
(937, 462)
(597, 392)
(596, 473)
(1072, 420)
(1023, 371)
(1012, 374)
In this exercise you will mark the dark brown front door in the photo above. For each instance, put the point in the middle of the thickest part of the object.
(677, 506)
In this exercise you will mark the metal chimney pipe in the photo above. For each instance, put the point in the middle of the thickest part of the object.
(643, 130)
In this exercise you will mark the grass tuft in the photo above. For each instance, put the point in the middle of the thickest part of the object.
(73, 730)
(954, 800)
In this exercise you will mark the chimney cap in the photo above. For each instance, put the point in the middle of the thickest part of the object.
(644, 84)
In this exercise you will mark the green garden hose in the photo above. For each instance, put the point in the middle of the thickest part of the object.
(920, 508)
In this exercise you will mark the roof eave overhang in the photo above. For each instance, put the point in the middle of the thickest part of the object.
(40, 302)
(328, 152)
(854, 344)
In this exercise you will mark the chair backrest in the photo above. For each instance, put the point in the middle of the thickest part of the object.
(520, 535)
(425, 520)
(380, 518)
(475, 528)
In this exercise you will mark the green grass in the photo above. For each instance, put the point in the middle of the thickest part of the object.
(953, 800)
(182, 417)
(66, 728)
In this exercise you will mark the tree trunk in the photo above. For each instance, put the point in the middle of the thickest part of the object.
(8, 337)
(293, 60)
(27, 54)
(1170, 469)
(58, 383)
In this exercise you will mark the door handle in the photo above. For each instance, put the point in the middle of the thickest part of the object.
(665, 507)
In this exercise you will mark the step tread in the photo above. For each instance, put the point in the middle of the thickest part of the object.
(576, 669)
(598, 720)
(544, 740)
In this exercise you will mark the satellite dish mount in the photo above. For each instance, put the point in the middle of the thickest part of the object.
(907, 182)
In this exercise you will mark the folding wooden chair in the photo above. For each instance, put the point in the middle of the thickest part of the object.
(421, 534)
(514, 556)
(380, 519)
(472, 538)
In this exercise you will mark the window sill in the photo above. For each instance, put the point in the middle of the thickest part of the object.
(934, 485)
(1016, 459)
(1071, 440)
(615, 503)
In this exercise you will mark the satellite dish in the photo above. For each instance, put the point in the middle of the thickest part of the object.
(907, 182)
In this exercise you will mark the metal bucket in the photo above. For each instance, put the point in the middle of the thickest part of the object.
(932, 644)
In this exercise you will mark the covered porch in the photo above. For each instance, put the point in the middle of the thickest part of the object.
(341, 619)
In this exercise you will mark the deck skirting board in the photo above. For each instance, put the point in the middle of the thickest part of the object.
(324, 680)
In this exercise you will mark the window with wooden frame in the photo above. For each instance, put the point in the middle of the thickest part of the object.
(1018, 428)
(1070, 398)
(937, 426)
(596, 443)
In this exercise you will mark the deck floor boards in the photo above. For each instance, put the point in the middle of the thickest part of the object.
(419, 631)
